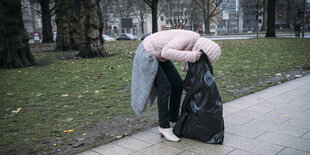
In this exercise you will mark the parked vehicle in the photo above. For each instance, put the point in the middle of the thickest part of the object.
(143, 36)
(107, 38)
(126, 36)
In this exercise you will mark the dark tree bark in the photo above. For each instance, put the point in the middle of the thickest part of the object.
(67, 20)
(153, 4)
(271, 32)
(46, 21)
(91, 41)
(14, 47)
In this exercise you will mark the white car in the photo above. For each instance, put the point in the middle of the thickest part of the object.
(107, 38)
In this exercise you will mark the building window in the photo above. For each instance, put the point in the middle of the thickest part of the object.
(162, 18)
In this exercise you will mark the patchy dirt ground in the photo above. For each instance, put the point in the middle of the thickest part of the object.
(113, 129)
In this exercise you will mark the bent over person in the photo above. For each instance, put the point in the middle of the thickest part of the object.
(154, 73)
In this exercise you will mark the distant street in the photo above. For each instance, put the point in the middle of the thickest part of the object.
(247, 36)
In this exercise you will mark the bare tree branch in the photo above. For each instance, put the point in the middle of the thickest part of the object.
(148, 2)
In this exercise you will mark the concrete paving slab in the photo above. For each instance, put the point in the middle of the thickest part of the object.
(291, 114)
(273, 118)
(89, 152)
(137, 153)
(240, 152)
(294, 97)
(160, 149)
(153, 130)
(227, 110)
(289, 151)
(283, 106)
(150, 137)
(188, 153)
(307, 111)
(200, 147)
(261, 108)
(132, 144)
(299, 103)
(244, 102)
(307, 135)
(298, 123)
(112, 149)
(285, 140)
(243, 131)
(234, 119)
(251, 145)
(288, 130)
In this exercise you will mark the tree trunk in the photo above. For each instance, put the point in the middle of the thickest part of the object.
(67, 20)
(142, 24)
(46, 21)
(271, 19)
(14, 47)
(207, 22)
(265, 13)
(205, 19)
(154, 16)
(91, 41)
(288, 10)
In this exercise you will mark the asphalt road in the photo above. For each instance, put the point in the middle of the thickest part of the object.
(247, 36)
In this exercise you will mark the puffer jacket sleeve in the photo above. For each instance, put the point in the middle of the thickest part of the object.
(174, 50)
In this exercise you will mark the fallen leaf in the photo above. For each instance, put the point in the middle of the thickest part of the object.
(9, 94)
(69, 119)
(64, 95)
(71, 130)
(16, 111)
(84, 134)
(54, 144)
(124, 135)
(76, 144)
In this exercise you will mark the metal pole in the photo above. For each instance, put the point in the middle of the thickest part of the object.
(303, 20)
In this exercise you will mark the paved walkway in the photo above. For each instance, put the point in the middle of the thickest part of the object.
(273, 121)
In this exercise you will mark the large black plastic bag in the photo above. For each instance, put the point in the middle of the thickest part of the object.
(201, 115)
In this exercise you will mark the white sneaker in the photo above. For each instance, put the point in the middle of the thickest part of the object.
(168, 134)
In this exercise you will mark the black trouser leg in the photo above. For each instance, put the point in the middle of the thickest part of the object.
(169, 83)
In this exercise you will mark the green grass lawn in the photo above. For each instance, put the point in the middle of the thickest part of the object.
(78, 93)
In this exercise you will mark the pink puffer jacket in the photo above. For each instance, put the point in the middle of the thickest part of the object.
(180, 45)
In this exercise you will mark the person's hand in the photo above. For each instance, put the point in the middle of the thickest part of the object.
(198, 55)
